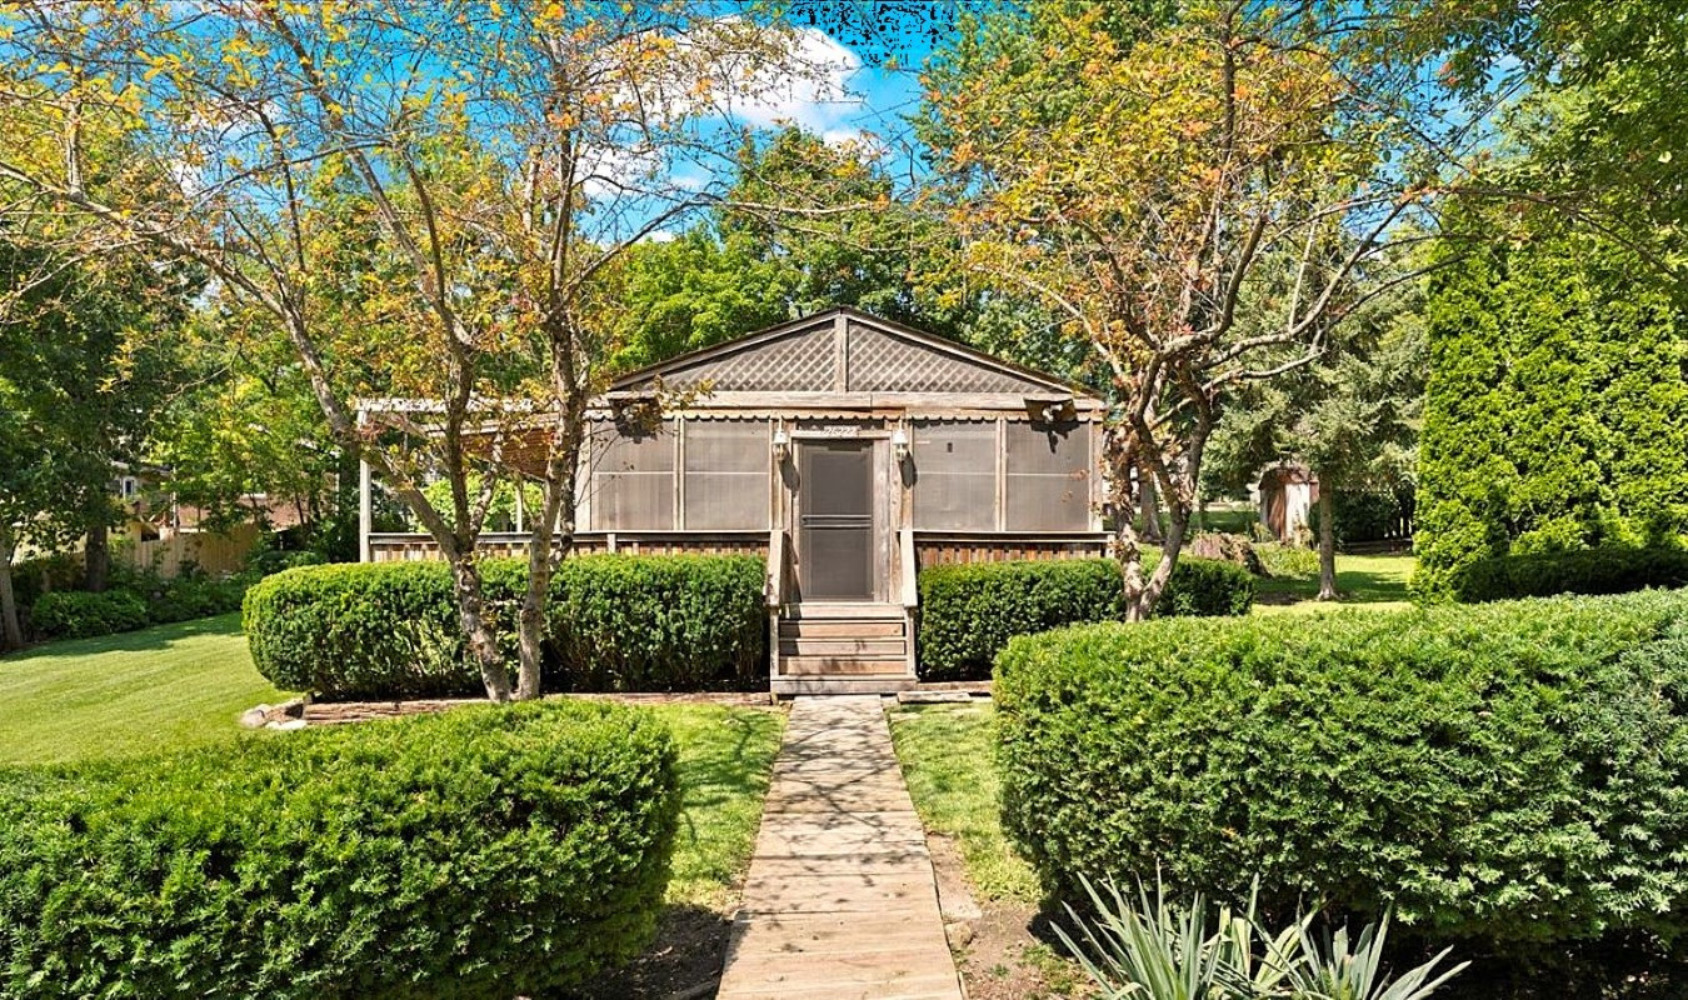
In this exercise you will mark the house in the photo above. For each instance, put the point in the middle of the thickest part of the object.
(849, 452)
(1287, 493)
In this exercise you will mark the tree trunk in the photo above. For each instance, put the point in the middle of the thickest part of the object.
(483, 641)
(1148, 500)
(1327, 543)
(96, 557)
(1130, 556)
(11, 629)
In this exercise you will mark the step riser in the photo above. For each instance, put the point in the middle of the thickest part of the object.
(840, 629)
(872, 648)
(828, 666)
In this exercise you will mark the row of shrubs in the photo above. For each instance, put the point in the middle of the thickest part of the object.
(80, 614)
(613, 623)
(135, 598)
(487, 853)
(1505, 773)
(969, 612)
(1590, 571)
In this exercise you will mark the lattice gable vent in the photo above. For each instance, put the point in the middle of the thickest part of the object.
(802, 360)
(883, 362)
(807, 358)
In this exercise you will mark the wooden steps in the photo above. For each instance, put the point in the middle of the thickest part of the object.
(840, 647)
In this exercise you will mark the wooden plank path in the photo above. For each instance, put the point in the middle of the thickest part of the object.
(840, 902)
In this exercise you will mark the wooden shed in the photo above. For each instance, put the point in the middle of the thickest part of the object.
(850, 452)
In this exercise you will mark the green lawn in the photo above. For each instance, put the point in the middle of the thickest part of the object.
(177, 686)
(726, 755)
(950, 765)
(1370, 580)
(163, 687)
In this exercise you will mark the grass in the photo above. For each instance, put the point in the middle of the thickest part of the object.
(950, 766)
(166, 687)
(726, 756)
(1379, 580)
(180, 686)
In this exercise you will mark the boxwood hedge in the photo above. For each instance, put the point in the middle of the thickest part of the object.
(488, 853)
(78, 614)
(1508, 772)
(969, 612)
(389, 630)
(1590, 571)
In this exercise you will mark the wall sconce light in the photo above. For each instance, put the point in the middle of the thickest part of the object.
(782, 443)
(899, 443)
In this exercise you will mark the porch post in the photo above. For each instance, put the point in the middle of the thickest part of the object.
(366, 509)
(520, 481)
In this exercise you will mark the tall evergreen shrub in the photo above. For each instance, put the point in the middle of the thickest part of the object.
(1557, 416)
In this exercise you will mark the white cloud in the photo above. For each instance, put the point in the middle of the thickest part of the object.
(817, 96)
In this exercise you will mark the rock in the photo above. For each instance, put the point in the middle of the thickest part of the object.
(291, 725)
(294, 709)
(1227, 548)
(960, 934)
(254, 718)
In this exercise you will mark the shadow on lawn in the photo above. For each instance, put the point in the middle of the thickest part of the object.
(684, 960)
(149, 639)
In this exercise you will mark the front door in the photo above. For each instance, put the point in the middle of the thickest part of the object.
(836, 537)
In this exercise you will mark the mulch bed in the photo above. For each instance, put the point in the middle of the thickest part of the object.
(334, 713)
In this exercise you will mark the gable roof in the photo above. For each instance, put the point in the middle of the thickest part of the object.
(844, 350)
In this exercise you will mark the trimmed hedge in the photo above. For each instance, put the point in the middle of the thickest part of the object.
(616, 623)
(486, 853)
(1593, 571)
(969, 612)
(77, 614)
(1510, 772)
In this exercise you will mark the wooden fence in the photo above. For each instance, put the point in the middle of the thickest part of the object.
(215, 554)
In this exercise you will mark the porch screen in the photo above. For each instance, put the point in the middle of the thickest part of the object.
(632, 478)
(726, 474)
(1048, 476)
(955, 475)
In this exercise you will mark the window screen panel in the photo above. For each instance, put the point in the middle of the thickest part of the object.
(632, 478)
(955, 475)
(1048, 476)
(727, 468)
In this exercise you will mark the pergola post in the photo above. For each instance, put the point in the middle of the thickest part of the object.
(366, 508)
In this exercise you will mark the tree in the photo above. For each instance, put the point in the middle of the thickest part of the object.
(420, 200)
(245, 424)
(1596, 114)
(1557, 405)
(1134, 165)
(87, 352)
(1353, 416)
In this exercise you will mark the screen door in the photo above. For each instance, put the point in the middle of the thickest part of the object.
(835, 521)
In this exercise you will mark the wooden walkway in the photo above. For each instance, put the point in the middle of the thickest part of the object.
(840, 903)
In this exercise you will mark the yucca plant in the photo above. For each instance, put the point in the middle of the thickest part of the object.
(1335, 969)
(1147, 947)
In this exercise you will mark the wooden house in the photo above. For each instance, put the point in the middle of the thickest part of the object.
(849, 452)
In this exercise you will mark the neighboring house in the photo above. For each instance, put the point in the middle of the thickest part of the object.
(850, 452)
(1287, 493)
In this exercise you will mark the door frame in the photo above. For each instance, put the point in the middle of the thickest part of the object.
(886, 514)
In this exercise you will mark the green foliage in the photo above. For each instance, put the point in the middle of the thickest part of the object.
(74, 614)
(1557, 408)
(969, 612)
(1288, 562)
(1512, 773)
(191, 595)
(1159, 949)
(1596, 571)
(482, 854)
(614, 623)
(688, 623)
